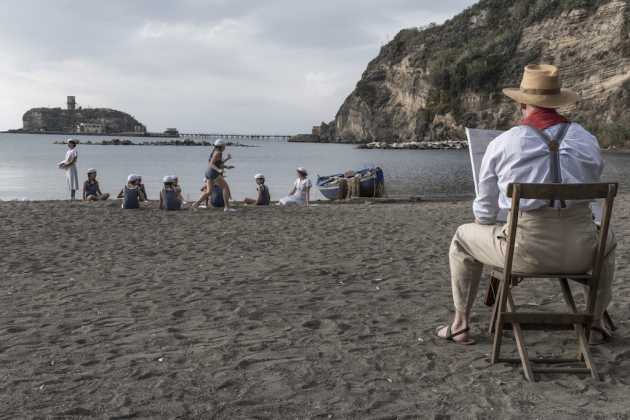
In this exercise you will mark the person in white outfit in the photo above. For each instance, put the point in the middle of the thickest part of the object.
(69, 164)
(300, 193)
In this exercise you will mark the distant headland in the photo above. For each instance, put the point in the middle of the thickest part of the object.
(75, 119)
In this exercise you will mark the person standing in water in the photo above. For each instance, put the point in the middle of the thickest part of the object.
(214, 175)
(69, 164)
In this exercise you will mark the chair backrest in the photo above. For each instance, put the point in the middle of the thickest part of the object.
(566, 192)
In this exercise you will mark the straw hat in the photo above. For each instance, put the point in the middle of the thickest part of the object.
(541, 87)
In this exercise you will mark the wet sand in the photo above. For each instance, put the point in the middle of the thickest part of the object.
(325, 312)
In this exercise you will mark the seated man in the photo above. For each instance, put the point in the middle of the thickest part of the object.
(550, 238)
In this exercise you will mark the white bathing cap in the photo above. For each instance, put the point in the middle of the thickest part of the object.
(219, 142)
(259, 176)
(132, 177)
(91, 171)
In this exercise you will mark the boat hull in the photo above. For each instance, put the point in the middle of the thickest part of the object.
(370, 185)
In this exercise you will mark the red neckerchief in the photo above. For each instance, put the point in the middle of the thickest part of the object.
(543, 118)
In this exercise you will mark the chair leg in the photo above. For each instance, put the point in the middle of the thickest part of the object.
(493, 318)
(584, 348)
(520, 342)
(498, 328)
(580, 331)
(609, 321)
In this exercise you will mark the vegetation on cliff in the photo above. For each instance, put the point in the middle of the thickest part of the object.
(429, 83)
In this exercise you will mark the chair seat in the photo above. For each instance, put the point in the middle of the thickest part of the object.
(498, 273)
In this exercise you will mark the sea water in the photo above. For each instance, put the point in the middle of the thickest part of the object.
(28, 167)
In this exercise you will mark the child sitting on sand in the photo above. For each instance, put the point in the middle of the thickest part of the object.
(264, 198)
(171, 194)
(131, 193)
(91, 188)
(141, 186)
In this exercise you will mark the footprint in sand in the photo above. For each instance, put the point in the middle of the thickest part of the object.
(313, 324)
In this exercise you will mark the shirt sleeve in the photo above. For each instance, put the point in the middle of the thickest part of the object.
(486, 204)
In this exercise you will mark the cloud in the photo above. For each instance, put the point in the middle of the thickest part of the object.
(220, 65)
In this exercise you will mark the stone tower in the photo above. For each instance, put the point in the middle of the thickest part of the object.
(71, 103)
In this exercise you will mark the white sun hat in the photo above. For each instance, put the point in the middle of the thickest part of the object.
(302, 170)
(259, 176)
(219, 142)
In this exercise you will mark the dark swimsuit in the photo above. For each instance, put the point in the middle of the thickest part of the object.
(171, 202)
(212, 173)
(91, 189)
(264, 197)
(131, 198)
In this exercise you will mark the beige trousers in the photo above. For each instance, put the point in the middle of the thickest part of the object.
(548, 240)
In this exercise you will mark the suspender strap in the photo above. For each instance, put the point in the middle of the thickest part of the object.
(553, 144)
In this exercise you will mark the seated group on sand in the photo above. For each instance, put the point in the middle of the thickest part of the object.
(215, 189)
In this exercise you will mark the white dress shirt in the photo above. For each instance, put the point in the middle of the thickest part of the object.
(520, 155)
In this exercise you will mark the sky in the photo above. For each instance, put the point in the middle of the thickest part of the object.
(227, 66)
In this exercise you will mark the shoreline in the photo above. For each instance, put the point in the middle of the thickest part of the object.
(402, 199)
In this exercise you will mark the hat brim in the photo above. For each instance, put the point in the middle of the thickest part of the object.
(564, 98)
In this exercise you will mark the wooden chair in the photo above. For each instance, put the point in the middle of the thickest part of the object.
(505, 311)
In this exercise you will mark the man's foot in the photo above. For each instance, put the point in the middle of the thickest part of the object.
(229, 209)
(460, 336)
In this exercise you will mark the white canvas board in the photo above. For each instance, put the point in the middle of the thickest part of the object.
(478, 141)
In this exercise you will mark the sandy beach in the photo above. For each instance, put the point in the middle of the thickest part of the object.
(267, 313)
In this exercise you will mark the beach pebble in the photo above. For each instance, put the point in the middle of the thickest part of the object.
(420, 340)
(378, 288)
(161, 359)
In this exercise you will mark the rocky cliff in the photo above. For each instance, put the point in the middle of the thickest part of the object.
(430, 83)
(65, 120)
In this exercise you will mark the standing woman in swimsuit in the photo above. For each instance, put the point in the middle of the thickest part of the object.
(214, 175)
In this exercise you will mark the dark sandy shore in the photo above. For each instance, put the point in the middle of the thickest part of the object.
(325, 312)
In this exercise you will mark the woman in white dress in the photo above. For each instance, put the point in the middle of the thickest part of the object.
(300, 193)
(69, 164)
